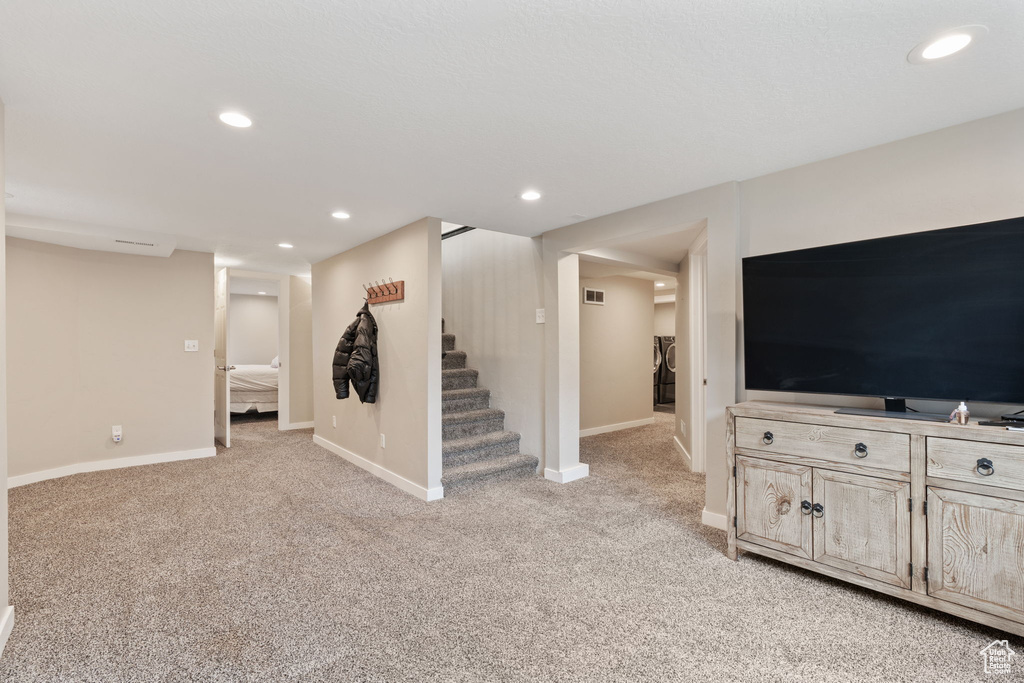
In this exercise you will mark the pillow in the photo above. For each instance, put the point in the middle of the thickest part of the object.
(276, 363)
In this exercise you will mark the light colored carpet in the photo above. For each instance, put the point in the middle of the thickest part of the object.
(277, 561)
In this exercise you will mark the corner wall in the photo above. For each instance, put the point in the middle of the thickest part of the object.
(491, 291)
(616, 383)
(96, 339)
(300, 351)
(6, 612)
(408, 407)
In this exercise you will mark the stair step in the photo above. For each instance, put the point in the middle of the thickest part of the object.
(477, 448)
(459, 478)
(472, 423)
(461, 400)
(453, 360)
(448, 342)
(463, 378)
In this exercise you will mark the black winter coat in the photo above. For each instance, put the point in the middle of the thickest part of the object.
(355, 358)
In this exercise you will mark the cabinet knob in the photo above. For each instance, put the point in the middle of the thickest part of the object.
(985, 467)
(805, 507)
(818, 510)
(861, 450)
(768, 439)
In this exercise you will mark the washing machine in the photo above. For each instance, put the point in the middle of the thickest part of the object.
(657, 368)
(667, 372)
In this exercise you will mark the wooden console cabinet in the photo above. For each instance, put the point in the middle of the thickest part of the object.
(925, 511)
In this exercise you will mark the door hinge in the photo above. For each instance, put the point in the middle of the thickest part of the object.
(924, 507)
(910, 504)
(734, 470)
(926, 573)
(911, 570)
(734, 524)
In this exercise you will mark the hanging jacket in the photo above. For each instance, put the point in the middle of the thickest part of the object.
(355, 359)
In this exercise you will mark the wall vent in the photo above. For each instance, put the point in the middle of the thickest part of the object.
(593, 296)
(136, 244)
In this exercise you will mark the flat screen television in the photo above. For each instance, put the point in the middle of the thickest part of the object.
(928, 315)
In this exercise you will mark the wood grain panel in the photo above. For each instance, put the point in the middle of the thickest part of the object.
(958, 460)
(768, 498)
(976, 551)
(730, 494)
(886, 450)
(865, 527)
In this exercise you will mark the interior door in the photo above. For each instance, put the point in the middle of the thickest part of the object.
(976, 551)
(221, 385)
(862, 525)
(770, 508)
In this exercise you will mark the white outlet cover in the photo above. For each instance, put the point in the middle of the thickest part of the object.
(540, 316)
(191, 345)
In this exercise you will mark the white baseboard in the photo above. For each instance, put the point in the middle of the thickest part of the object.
(616, 427)
(112, 464)
(713, 519)
(296, 425)
(6, 626)
(565, 476)
(684, 452)
(387, 475)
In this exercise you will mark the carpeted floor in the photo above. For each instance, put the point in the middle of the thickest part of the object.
(277, 561)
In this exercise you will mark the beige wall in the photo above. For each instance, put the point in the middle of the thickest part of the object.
(252, 329)
(3, 381)
(408, 407)
(97, 339)
(300, 350)
(665, 319)
(616, 385)
(491, 288)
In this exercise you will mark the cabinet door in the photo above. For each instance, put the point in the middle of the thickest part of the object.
(863, 525)
(768, 505)
(976, 551)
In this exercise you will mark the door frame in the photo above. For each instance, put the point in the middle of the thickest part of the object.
(698, 321)
(283, 339)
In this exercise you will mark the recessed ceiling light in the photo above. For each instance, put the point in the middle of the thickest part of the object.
(530, 195)
(285, 245)
(233, 118)
(262, 292)
(659, 284)
(340, 215)
(945, 44)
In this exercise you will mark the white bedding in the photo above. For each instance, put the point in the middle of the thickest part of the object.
(253, 387)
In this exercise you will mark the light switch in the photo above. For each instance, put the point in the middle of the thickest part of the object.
(191, 345)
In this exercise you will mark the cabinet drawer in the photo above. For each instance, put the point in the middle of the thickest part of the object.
(991, 464)
(883, 450)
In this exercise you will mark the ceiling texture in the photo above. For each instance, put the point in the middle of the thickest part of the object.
(397, 110)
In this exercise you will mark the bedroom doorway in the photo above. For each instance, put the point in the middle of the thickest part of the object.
(253, 324)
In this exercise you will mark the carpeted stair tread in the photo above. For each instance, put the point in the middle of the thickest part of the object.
(461, 400)
(448, 342)
(473, 416)
(462, 378)
(453, 360)
(459, 394)
(471, 443)
(503, 467)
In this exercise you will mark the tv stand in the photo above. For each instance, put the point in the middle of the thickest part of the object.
(895, 408)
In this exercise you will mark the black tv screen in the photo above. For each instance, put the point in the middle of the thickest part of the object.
(929, 315)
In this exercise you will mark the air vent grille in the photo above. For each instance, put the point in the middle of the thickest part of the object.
(136, 244)
(593, 296)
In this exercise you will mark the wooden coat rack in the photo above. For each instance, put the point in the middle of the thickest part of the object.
(379, 293)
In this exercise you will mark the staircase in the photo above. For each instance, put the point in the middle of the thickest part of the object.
(476, 448)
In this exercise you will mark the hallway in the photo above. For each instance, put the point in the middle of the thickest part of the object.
(278, 561)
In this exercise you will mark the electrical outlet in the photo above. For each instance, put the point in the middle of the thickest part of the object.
(191, 345)
(540, 316)
(334, 421)
(682, 427)
(382, 440)
(115, 433)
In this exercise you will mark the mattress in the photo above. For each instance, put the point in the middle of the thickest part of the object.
(253, 387)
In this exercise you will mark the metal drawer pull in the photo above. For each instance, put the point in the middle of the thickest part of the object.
(860, 450)
(805, 507)
(768, 438)
(985, 467)
(818, 510)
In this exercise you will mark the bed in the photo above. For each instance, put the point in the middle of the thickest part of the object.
(253, 388)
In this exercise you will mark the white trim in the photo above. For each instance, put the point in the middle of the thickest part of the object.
(682, 450)
(296, 425)
(387, 475)
(697, 324)
(713, 519)
(571, 474)
(616, 427)
(111, 464)
(6, 626)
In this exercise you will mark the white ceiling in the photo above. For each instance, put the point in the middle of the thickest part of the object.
(397, 110)
(245, 285)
